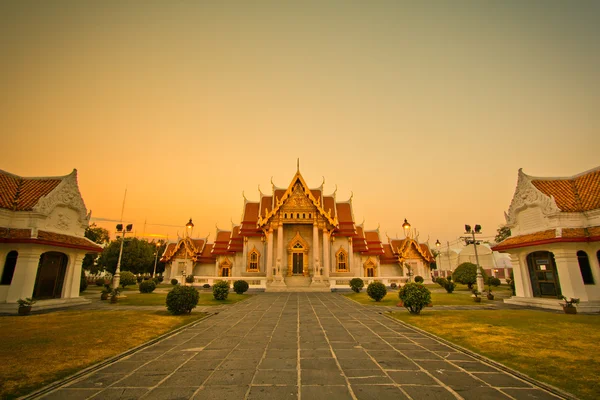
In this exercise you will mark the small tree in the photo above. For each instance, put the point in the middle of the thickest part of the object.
(376, 291)
(502, 233)
(240, 286)
(466, 273)
(356, 284)
(414, 296)
(127, 278)
(419, 279)
(221, 290)
(182, 299)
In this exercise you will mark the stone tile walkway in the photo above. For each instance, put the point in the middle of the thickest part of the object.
(299, 346)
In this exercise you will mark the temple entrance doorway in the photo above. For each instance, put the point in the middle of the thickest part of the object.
(50, 275)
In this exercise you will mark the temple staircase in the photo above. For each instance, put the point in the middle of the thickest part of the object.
(298, 283)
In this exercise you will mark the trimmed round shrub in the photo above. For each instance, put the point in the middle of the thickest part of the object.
(414, 296)
(174, 281)
(449, 277)
(206, 286)
(493, 281)
(182, 299)
(99, 281)
(419, 279)
(155, 280)
(127, 279)
(160, 278)
(139, 279)
(356, 284)
(376, 291)
(466, 273)
(221, 290)
(393, 285)
(147, 286)
(240, 286)
(189, 279)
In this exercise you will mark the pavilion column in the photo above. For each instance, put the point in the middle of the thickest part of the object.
(23, 281)
(316, 266)
(567, 267)
(279, 263)
(521, 272)
(270, 254)
(217, 267)
(326, 258)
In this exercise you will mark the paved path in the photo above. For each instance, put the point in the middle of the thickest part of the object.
(299, 345)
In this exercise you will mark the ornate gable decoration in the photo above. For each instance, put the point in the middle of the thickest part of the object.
(410, 250)
(526, 195)
(297, 196)
(65, 194)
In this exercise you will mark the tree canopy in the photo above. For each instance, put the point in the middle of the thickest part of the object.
(503, 233)
(138, 256)
(466, 273)
(97, 235)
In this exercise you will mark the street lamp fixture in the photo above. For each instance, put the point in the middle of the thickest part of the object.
(406, 227)
(190, 227)
(117, 276)
(472, 232)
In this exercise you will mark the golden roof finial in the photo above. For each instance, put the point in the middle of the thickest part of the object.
(298, 165)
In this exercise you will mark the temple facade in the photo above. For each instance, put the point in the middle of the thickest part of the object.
(294, 238)
(555, 242)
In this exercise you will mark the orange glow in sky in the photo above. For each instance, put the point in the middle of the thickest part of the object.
(424, 110)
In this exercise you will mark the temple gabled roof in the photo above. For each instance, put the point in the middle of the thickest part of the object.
(193, 248)
(221, 242)
(280, 197)
(402, 247)
(374, 244)
(573, 194)
(22, 194)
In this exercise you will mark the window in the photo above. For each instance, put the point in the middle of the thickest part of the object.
(309, 215)
(584, 267)
(341, 258)
(303, 215)
(9, 268)
(298, 215)
(285, 215)
(253, 258)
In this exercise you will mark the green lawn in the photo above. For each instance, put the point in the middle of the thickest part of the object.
(159, 299)
(391, 299)
(556, 348)
(41, 348)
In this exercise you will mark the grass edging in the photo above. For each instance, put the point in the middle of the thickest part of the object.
(56, 384)
(520, 375)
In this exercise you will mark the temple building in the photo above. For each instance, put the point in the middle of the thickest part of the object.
(42, 244)
(555, 242)
(297, 238)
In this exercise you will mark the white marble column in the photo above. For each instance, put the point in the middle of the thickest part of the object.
(73, 276)
(279, 264)
(270, 254)
(571, 281)
(217, 267)
(350, 256)
(316, 266)
(23, 281)
(326, 259)
(521, 274)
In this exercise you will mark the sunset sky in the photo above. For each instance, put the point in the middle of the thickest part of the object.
(424, 110)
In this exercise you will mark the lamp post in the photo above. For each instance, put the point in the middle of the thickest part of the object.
(117, 277)
(472, 232)
(438, 244)
(189, 228)
(157, 244)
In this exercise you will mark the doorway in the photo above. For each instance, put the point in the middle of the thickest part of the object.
(50, 275)
(543, 274)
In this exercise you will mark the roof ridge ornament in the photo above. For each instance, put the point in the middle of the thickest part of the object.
(298, 165)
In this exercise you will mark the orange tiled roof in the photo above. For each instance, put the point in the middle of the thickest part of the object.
(549, 236)
(48, 238)
(316, 194)
(388, 255)
(265, 204)
(206, 256)
(250, 219)
(22, 194)
(358, 242)
(577, 194)
(329, 205)
(374, 243)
